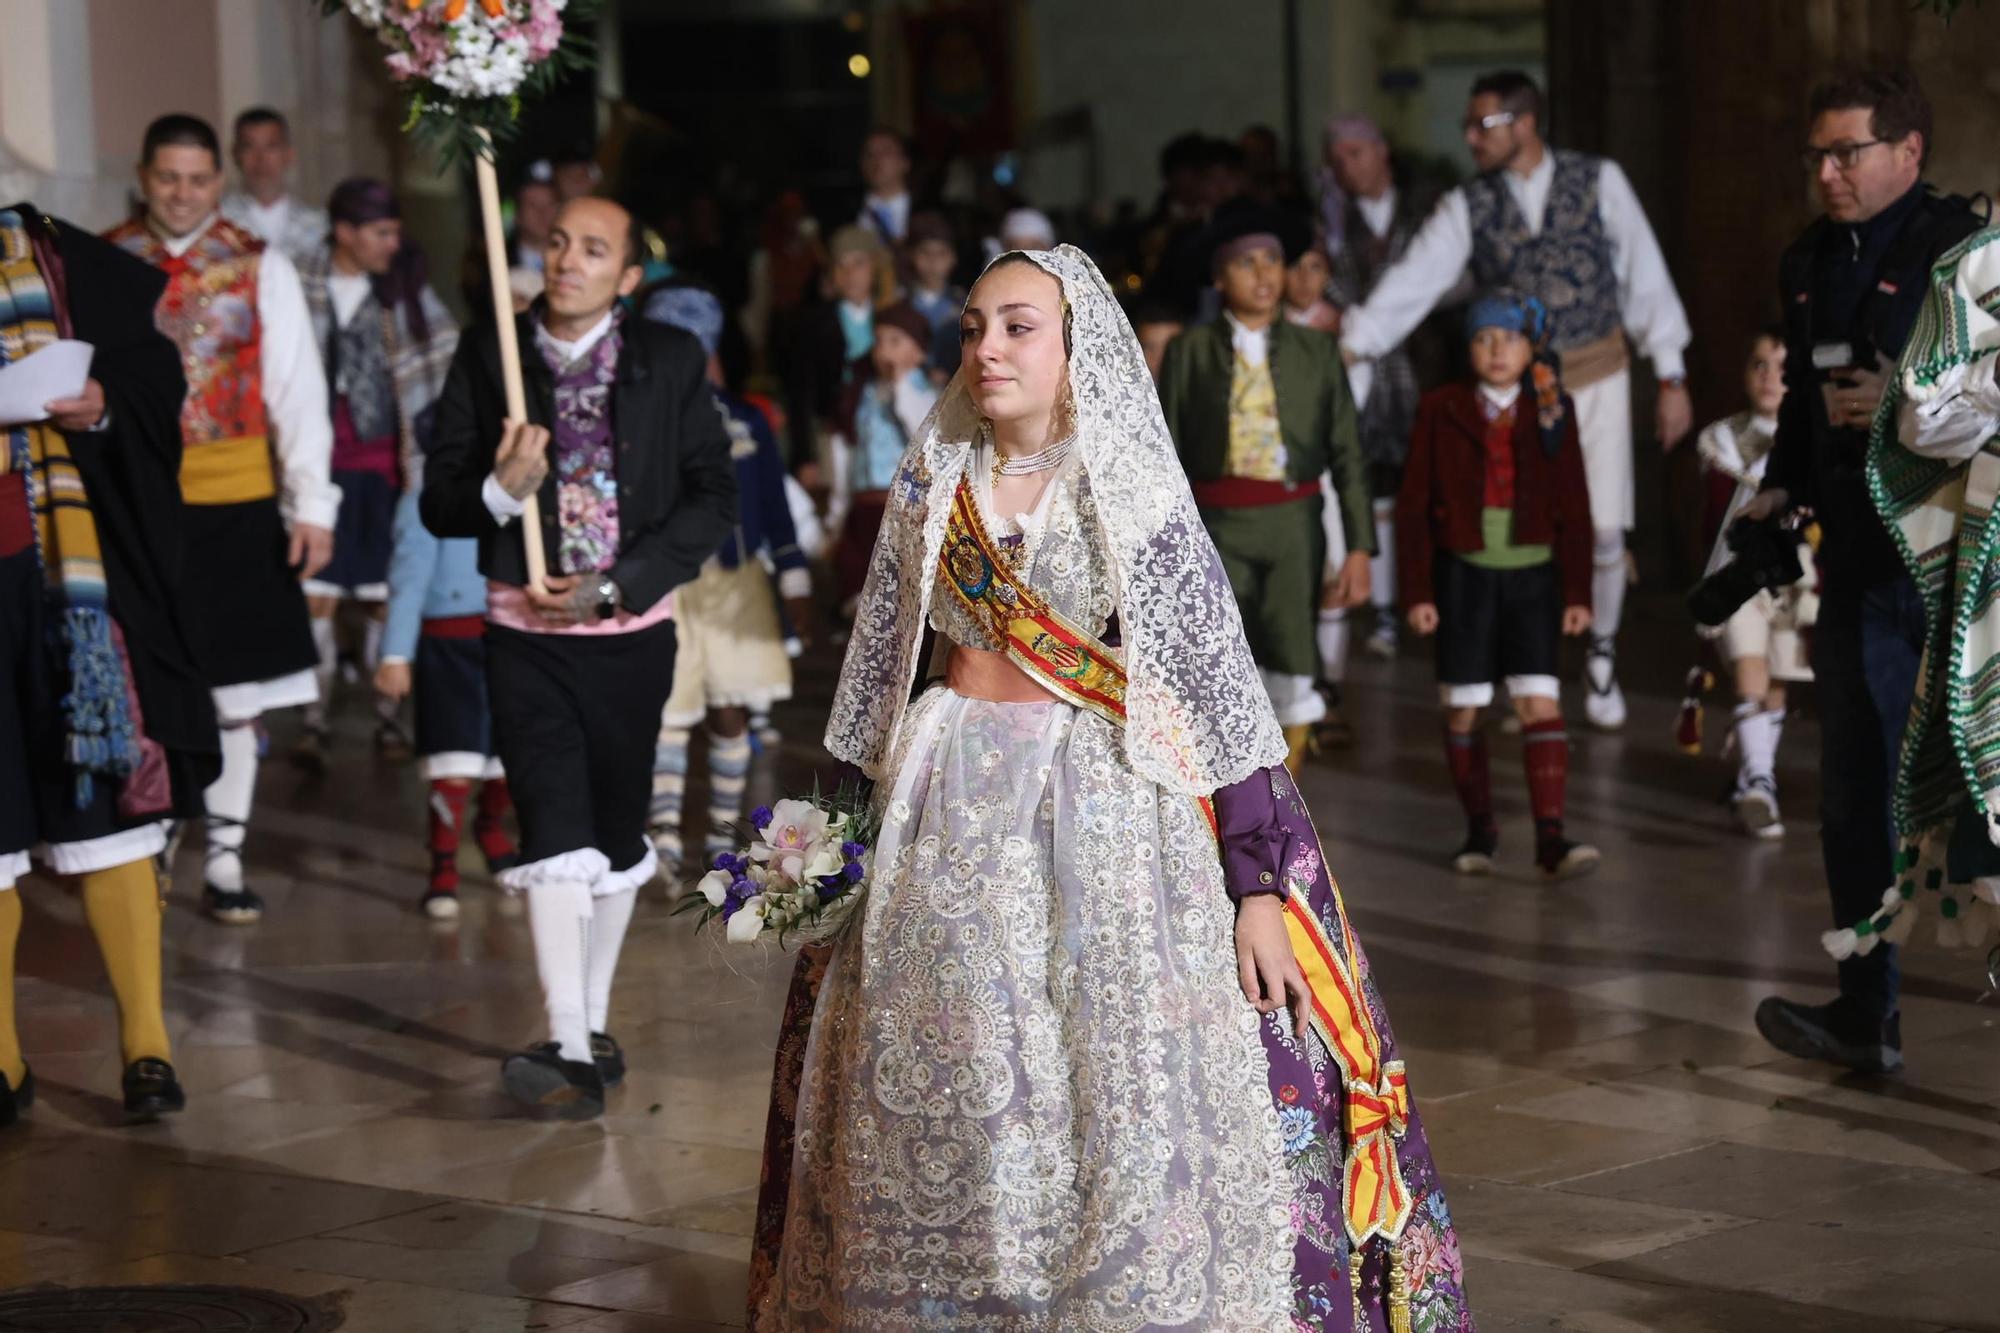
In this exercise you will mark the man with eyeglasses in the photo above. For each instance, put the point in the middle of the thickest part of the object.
(1850, 288)
(1566, 228)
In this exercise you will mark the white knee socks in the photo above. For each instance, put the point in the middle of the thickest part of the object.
(1757, 734)
(1607, 582)
(610, 917)
(323, 644)
(559, 918)
(228, 804)
(1382, 569)
(1333, 644)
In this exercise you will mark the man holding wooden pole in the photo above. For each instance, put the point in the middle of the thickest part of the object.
(620, 478)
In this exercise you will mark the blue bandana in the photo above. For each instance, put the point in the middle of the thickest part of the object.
(1520, 313)
(690, 308)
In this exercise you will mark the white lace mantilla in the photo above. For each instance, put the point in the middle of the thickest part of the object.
(1198, 717)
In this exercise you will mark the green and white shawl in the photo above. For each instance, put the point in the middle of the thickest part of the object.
(1941, 515)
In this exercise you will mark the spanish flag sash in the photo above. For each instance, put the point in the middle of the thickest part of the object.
(1076, 666)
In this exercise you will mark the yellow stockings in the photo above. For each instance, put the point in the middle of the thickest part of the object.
(11, 1064)
(123, 907)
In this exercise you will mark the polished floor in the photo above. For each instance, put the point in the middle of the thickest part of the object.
(1622, 1151)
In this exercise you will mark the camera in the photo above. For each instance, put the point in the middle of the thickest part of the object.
(1765, 555)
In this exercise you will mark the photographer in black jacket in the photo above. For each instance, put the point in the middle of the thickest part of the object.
(1850, 287)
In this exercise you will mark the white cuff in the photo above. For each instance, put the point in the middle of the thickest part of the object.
(632, 877)
(504, 507)
(583, 867)
(393, 661)
(1669, 364)
(794, 583)
(318, 510)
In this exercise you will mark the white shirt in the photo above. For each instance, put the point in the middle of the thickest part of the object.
(504, 507)
(285, 225)
(1378, 213)
(1501, 398)
(1253, 345)
(294, 388)
(347, 291)
(894, 210)
(1441, 252)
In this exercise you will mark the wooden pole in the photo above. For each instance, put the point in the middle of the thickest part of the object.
(510, 344)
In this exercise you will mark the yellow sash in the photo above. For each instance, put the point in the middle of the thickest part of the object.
(1076, 666)
(228, 472)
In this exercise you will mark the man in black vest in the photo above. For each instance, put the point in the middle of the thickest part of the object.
(1850, 288)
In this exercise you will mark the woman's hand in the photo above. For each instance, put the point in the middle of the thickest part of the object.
(1424, 617)
(1265, 963)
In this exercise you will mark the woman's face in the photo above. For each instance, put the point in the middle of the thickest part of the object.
(1012, 334)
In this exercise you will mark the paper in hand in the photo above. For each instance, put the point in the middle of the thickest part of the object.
(29, 385)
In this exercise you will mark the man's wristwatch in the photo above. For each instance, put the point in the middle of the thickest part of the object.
(607, 598)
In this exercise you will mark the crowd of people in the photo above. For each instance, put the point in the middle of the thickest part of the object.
(1136, 490)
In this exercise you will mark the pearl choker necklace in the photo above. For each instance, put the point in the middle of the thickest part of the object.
(1042, 460)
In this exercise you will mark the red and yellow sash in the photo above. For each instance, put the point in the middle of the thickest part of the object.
(1076, 666)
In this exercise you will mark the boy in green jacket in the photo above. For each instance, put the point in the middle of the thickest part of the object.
(1262, 417)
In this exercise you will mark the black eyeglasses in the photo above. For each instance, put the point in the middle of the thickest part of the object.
(1844, 155)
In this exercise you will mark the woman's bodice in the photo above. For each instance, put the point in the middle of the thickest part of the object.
(1061, 546)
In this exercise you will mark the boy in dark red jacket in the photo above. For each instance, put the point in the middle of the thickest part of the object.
(1493, 542)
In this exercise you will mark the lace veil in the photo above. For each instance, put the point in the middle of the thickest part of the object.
(1197, 714)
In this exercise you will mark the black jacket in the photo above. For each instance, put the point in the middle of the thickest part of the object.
(131, 472)
(1816, 463)
(676, 483)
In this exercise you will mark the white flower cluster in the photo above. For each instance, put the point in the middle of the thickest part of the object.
(466, 48)
(799, 880)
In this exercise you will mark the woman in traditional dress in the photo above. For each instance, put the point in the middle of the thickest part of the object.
(1032, 1095)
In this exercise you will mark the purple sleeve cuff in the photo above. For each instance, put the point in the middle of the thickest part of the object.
(1256, 845)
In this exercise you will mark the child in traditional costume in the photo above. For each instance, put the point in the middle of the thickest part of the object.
(1100, 1049)
(1493, 546)
(882, 414)
(1763, 642)
(1260, 411)
(732, 665)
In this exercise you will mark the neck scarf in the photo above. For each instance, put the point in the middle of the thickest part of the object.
(100, 738)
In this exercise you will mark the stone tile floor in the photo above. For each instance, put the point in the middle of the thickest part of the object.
(1622, 1151)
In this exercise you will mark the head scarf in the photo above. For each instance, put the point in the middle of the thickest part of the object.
(1197, 715)
(1520, 313)
(1333, 199)
(695, 309)
(360, 200)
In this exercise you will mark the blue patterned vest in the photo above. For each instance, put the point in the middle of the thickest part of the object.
(1568, 265)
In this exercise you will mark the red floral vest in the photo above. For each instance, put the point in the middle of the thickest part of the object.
(209, 309)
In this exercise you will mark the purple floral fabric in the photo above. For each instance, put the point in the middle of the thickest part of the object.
(584, 460)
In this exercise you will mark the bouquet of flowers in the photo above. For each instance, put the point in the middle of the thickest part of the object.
(468, 63)
(798, 879)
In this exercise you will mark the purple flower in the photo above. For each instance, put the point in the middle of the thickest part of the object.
(852, 872)
(852, 850)
(760, 817)
(724, 861)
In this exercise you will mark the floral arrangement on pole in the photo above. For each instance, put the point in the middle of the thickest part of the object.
(800, 877)
(469, 64)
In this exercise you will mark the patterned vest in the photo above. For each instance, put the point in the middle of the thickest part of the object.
(210, 311)
(1567, 265)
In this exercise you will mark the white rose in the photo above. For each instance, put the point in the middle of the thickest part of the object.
(714, 886)
(748, 923)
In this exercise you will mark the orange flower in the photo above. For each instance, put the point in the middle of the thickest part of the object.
(413, 4)
(494, 8)
(454, 10)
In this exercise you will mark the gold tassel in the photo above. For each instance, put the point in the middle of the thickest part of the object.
(1361, 1320)
(1399, 1292)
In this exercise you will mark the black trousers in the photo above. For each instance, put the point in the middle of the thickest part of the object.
(574, 722)
(1865, 650)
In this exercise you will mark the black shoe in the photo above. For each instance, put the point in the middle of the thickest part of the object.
(539, 1076)
(609, 1057)
(1476, 856)
(151, 1091)
(1835, 1032)
(239, 907)
(14, 1102)
(309, 751)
